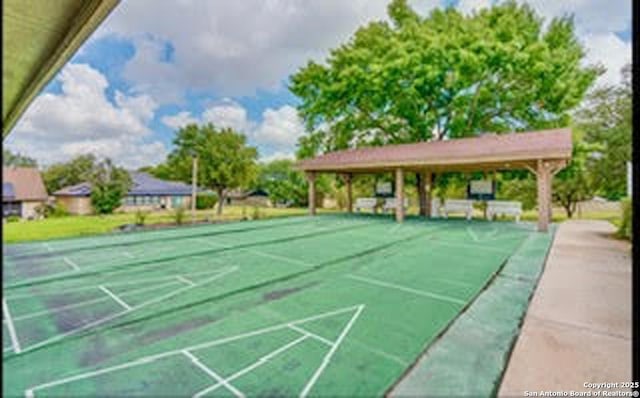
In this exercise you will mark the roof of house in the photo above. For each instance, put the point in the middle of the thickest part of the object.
(142, 184)
(489, 149)
(22, 184)
(242, 194)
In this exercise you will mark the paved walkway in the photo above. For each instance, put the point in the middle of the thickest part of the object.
(578, 326)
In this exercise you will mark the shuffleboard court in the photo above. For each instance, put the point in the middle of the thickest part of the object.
(330, 305)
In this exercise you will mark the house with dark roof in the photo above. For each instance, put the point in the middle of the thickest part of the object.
(146, 193)
(22, 192)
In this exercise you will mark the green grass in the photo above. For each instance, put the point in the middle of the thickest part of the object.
(75, 226)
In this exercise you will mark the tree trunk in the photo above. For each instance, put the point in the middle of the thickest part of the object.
(220, 201)
(420, 188)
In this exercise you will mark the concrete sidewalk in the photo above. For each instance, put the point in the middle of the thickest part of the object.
(578, 326)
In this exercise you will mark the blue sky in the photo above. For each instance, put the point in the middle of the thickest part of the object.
(157, 64)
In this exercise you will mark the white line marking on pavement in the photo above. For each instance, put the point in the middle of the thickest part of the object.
(185, 280)
(116, 298)
(213, 374)
(12, 331)
(71, 264)
(407, 289)
(310, 334)
(119, 314)
(254, 365)
(327, 358)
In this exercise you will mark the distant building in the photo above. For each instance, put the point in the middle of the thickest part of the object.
(256, 197)
(146, 193)
(22, 192)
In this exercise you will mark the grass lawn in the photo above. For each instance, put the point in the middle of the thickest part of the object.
(62, 227)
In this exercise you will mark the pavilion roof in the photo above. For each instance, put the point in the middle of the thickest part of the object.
(488, 151)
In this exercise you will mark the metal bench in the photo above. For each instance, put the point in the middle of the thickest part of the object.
(435, 207)
(458, 206)
(366, 203)
(505, 208)
(390, 204)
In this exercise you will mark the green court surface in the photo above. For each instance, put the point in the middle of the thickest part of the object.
(329, 305)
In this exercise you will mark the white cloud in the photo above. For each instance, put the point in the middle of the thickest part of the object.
(81, 119)
(179, 120)
(228, 114)
(276, 134)
(608, 50)
(233, 48)
(470, 6)
(280, 127)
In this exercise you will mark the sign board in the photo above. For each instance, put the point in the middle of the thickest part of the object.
(384, 189)
(481, 190)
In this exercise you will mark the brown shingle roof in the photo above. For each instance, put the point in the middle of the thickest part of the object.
(27, 183)
(488, 148)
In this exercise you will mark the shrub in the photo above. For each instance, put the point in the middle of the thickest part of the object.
(244, 212)
(178, 215)
(13, 219)
(256, 213)
(206, 201)
(141, 216)
(47, 210)
(626, 223)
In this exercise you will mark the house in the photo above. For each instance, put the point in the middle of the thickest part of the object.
(146, 193)
(22, 192)
(255, 197)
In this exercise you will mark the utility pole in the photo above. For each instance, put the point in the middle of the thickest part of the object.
(194, 188)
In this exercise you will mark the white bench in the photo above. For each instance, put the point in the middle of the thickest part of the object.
(365, 203)
(390, 204)
(435, 207)
(505, 208)
(458, 206)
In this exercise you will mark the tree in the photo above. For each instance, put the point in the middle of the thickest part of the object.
(606, 119)
(16, 159)
(444, 75)
(224, 160)
(575, 182)
(109, 184)
(75, 171)
(284, 184)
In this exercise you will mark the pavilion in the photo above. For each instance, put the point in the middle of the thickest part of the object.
(544, 153)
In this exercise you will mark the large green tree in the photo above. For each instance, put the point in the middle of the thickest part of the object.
(284, 184)
(75, 171)
(225, 161)
(443, 75)
(606, 119)
(109, 184)
(16, 159)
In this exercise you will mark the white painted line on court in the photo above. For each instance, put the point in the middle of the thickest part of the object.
(327, 358)
(89, 302)
(119, 314)
(116, 298)
(407, 289)
(185, 280)
(254, 365)
(71, 264)
(127, 254)
(310, 334)
(277, 257)
(155, 357)
(12, 331)
(473, 234)
(213, 374)
(46, 245)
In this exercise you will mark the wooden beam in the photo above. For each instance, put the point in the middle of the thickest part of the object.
(348, 177)
(311, 177)
(543, 177)
(399, 195)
